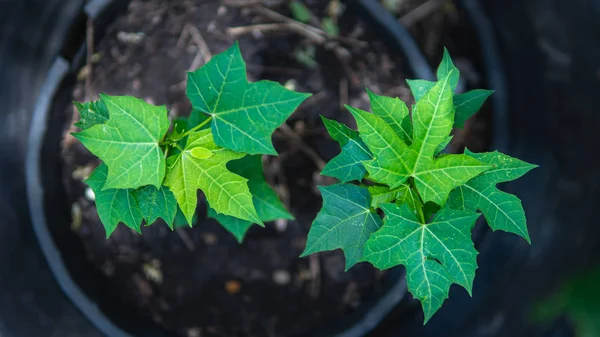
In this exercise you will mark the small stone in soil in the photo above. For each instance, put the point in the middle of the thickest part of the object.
(290, 84)
(194, 332)
(76, 216)
(143, 286)
(233, 287)
(282, 277)
(89, 194)
(304, 275)
(108, 268)
(133, 38)
(153, 272)
(351, 295)
(281, 225)
(210, 239)
(82, 172)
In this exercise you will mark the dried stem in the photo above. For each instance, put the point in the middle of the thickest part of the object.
(89, 57)
(421, 12)
(297, 140)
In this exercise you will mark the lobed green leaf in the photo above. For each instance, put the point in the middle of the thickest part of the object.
(435, 255)
(244, 114)
(128, 142)
(502, 211)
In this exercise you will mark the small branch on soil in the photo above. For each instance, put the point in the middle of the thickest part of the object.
(274, 69)
(89, 56)
(203, 53)
(297, 140)
(236, 32)
(282, 188)
(241, 3)
(421, 12)
(314, 34)
(343, 92)
(187, 241)
(314, 264)
(318, 35)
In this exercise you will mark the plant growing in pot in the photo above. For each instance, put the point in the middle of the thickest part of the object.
(428, 198)
(186, 279)
(149, 173)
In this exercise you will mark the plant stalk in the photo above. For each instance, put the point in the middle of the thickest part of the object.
(195, 128)
(419, 205)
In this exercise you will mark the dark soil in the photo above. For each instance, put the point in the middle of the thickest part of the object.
(199, 281)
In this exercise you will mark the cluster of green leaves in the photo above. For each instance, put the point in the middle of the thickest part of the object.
(150, 168)
(429, 199)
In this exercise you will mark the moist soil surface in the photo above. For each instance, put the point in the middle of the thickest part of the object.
(200, 281)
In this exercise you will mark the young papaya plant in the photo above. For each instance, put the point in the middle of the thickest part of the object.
(151, 167)
(394, 165)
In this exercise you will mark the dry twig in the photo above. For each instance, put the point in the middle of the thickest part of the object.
(204, 52)
(89, 56)
(314, 264)
(421, 12)
(297, 140)
(187, 241)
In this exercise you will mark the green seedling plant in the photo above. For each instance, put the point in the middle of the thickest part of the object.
(395, 166)
(401, 200)
(153, 168)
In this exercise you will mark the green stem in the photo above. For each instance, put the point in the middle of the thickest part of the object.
(420, 212)
(167, 150)
(419, 205)
(195, 128)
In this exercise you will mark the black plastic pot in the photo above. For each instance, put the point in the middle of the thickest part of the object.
(67, 301)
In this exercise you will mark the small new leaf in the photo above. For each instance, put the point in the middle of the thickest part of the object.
(346, 221)
(128, 142)
(200, 152)
(503, 211)
(435, 255)
(466, 104)
(244, 114)
(447, 69)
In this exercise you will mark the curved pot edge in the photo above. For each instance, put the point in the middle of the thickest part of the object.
(35, 196)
